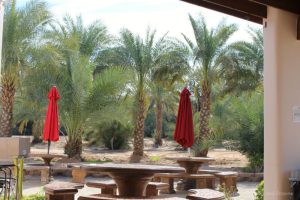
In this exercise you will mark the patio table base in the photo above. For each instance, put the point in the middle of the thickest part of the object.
(131, 184)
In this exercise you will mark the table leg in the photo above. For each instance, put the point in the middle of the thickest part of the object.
(170, 181)
(189, 184)
(47, 161)
(130, 184)
(190, 167)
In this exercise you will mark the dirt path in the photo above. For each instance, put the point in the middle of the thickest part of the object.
(163, 155)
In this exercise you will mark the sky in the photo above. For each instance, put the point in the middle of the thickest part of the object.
(163, 15)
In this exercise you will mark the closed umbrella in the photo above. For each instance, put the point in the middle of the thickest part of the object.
(51, 132)
(184, 132)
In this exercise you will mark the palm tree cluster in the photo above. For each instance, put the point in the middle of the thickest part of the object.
(102, 77)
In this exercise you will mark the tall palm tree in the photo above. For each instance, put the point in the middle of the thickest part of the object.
(141, 56)
(171, 69)
(207, 53)
(244, 71)
(71, 38)
(21, 30)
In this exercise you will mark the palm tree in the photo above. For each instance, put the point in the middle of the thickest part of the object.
(77, 47)
(21, 30)
(71, 38)
(171, 69)
(141, 56)
(244, 66)
(84, 101)
(208, 53)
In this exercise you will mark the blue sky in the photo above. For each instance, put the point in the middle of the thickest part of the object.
(164, 15)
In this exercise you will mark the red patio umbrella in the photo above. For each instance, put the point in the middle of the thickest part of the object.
(184, 132)
(51, 132)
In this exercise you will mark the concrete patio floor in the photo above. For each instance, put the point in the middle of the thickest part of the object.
(32, 185)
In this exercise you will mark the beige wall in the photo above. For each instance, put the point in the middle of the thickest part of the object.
(282, 92)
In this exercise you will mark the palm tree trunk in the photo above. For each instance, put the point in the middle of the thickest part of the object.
(205, 110)
(73, 147)
(8, 91)
(37, 130)
(138, 140)
(159, 124)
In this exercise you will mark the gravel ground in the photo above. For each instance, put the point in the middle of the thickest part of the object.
(32, 185)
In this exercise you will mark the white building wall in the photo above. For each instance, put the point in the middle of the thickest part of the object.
(282, 93)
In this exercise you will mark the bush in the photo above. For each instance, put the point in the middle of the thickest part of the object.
(256, 162)
(250, 128)
(38, 196)
(35, 197)
(113, 135)
(205, 143)
(240, 119)
(259, 192)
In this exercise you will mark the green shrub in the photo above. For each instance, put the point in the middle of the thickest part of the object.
(250, 127)
(155, 158)
(113, 135)
(205, 143)
(240, 119)
(259, 192)
(35, 197)
(256, 162)
(38, 196)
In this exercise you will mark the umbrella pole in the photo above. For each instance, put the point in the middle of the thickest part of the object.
(49, 146)
(189, 150)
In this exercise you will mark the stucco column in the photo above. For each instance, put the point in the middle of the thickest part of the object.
(282, 93)
(1, 30)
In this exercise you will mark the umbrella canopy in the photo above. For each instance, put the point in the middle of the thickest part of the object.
(51, 132)
(184, 132)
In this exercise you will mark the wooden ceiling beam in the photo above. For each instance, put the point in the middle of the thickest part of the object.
(227, 10)
(290, 5)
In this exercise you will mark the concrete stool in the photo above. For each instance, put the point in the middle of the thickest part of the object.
(61, 190)
(107, 187)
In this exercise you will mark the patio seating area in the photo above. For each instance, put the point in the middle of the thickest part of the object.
(165, 180)
(33, 186)
(129, 181)
(149, 99)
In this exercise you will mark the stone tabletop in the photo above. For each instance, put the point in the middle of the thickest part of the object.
(111, 167)
(195, 159)
(50, 155)
(6, 164)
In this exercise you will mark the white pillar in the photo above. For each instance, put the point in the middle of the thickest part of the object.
(282, 92)
(1, 30)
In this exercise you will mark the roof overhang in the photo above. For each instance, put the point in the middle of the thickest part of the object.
(251, 10)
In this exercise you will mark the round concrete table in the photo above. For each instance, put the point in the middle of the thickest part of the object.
(192, 164)
(131, 179)
(48, 157)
